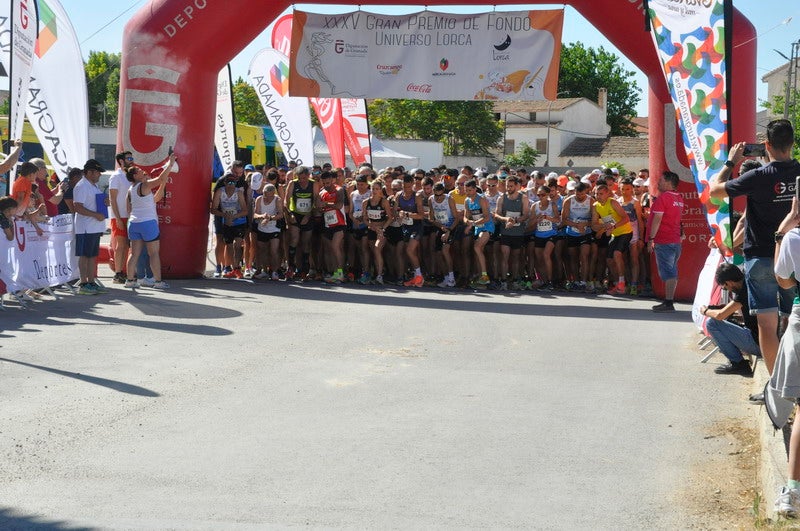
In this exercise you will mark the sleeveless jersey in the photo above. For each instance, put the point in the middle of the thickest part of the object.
(579, 213)
(513, 208)
(544, 228)
(376, 213)
(476, 212)
(270, 209)
(334, 217)
(358, 203)
(302, 199)
(609, 215)
(408, 205)
(229, 204)
(441, 211)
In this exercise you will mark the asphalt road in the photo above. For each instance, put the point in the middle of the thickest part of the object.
(232, 405)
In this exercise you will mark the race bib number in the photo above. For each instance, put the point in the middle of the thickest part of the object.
(230, 211)
(408, 220)
(460, 207)
(268, 226)
(609, 220)
(441, 216)
(331, 218)
(544, 225)
(303, 205)
(374, 215)
(477, 217)
(513, 215)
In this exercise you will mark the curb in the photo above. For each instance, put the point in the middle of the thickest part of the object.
(774, 450)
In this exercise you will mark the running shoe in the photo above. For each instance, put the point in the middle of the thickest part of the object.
(350, 277)
(237, 273)
(119, 278)
(503, 286)
(88, 289)
(364, 278)
(275, 275)
(98, 288)
(619, 289)
(664, 307)
(634, 290)
(248, 273)
(568, 285)
(378, 280)
(218, 272)
(417, 282)
(787, 504)
(483, 280)
(289, 275)
(160, 285)
(447, 283)
(331, 279)
(131, 283)
(229, 274)
(147, 282)
(262, 275)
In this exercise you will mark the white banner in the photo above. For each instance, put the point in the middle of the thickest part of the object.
(30, 261)
(428, 55)
(289, 117)
(24, 26)
(356, 130)
(225, 126)
(57, 106)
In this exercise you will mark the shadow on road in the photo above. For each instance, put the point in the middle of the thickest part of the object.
(122, 387)
(10, 519)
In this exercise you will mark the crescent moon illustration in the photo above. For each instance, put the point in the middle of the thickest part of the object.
(503, 45)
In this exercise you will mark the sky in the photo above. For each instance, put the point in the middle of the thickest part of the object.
(99, 25)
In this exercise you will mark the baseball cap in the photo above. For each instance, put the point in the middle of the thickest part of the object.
(638, 182)
(552, 175)
(563, 180)
(92, 164)
(250, 167)
(615, 171)
(597, 171)
(571, 185)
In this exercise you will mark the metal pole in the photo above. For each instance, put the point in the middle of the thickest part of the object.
(547, 155)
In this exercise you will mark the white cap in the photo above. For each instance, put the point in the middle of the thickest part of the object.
(571, 185)
(597, 171)
(615, 171)
(531, 185)
(552, 175)
(647, 182)
(585, 179)
(639, 181)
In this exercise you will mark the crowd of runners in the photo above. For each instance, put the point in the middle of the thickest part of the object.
(442, 227)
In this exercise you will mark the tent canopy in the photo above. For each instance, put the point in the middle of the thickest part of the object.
(382, 156)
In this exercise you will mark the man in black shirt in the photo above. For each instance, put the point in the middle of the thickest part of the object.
(769, 191)
(731, 338)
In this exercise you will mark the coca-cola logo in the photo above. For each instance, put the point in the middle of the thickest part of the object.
(425, 88)
(327, 110)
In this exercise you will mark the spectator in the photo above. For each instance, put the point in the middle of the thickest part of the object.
(769, 191)
(7, 207)
(118, 185)
(90, 224)
(73, 177)
(786, 374)
(665, 236)
(732, 339)
(51, 198)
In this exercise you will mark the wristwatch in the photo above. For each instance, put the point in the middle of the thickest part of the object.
(729, 164)
(778, 236)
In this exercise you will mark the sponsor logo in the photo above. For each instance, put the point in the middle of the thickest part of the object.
(388, 70)
(443, 64)
(500, 51)
(503, 45)
(48, 29)
(350, 50)
(785, 188)
(279, 78)
(338, 46)
(424, 88)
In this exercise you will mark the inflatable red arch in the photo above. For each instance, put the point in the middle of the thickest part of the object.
(173, 50)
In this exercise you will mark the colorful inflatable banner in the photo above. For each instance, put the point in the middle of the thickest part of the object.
(329, 112)
(225, 124)
(57, 107)
(356, 130)
(690, 41)
(289, 117)
(30, 261)
(428, 55)
(24, 26)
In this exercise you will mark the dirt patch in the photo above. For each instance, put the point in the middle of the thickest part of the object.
(723, 490)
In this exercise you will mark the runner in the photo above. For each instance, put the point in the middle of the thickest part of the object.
(477, 216)
(512, 214)
(377, 214)
(609, 217)
(442, 216)
(331, 204)
(633, 209)
(300, 194)
(410, 212)
(545, 219)
(576, 216)
(229, 203)
(267, 215)
(359, 230)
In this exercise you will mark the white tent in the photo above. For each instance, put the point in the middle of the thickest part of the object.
(382, 156)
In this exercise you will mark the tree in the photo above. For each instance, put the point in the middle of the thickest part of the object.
(463, 127)
(246, 105)
(777, 108)
(102, 83)
(524, 156)
(584, 71)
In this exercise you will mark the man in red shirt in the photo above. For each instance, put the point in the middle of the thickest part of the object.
(665, 236)
(51, 197)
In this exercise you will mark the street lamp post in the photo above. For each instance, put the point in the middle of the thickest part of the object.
(790, 71)
(549, 108)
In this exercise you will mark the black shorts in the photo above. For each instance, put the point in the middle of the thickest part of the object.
(318, 224)
(298, 218)
(267, 236)
(513, 241)
(459, 234)
(229, 234)
(411, 232)
(428, 229)
(394, 235)
(495, 236)
(620, 243)
(254, 226)
(372, 235)
(541, 243)
(359, 234)
(218, 224)
(328, 232)
(439, 246)
(602, 241)
(577, 241)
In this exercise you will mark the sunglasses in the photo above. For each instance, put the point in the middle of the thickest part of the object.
(230, 182)
(128, 158)
(541, 195)
(492, 185)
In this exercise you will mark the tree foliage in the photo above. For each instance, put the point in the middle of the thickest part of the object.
(463, 127)
(585, 70)
(246, 105)
(777, 108)
(525, 155)
(102, 82)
